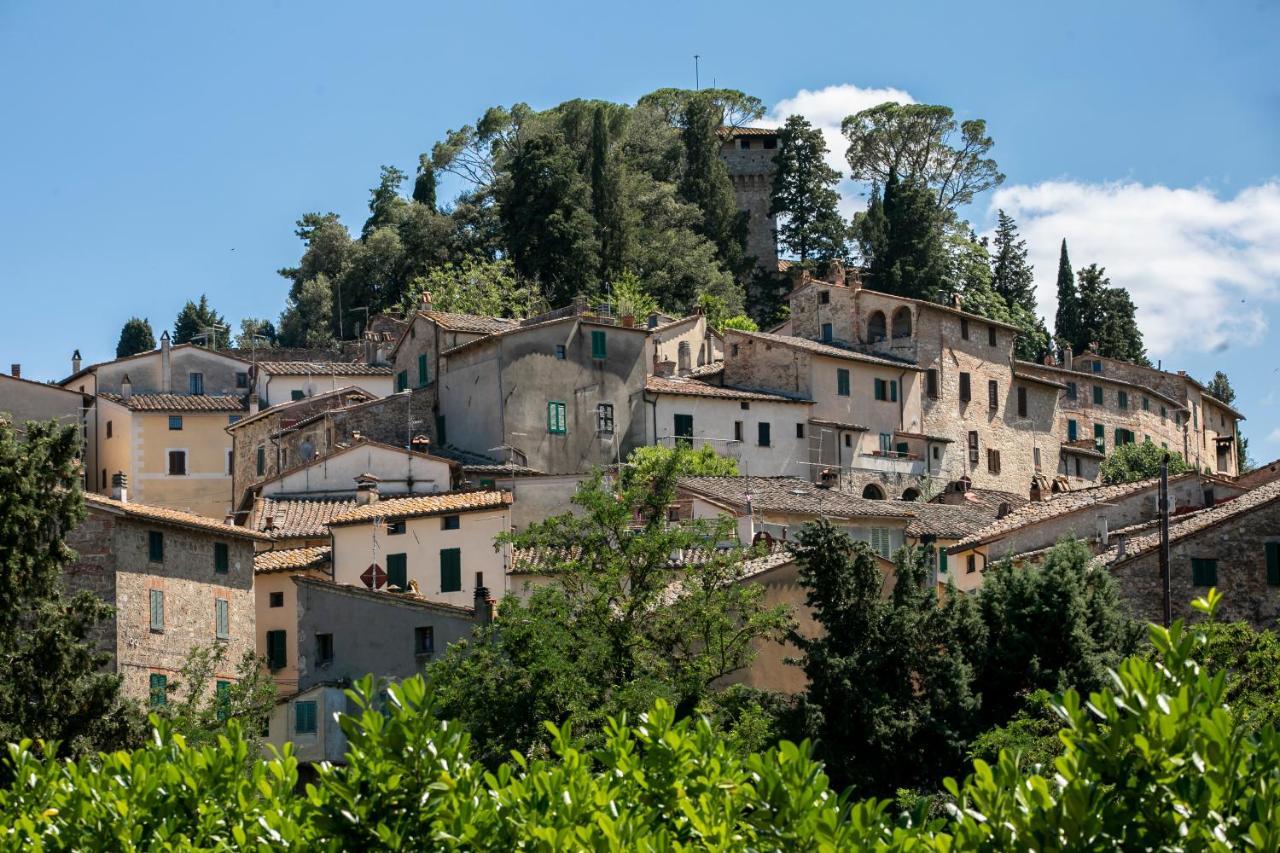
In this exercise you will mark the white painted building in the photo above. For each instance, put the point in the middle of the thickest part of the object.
(282, 381)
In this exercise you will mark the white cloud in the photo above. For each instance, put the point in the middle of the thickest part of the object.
(1274, 437)
(826, 109)
(1199, 267)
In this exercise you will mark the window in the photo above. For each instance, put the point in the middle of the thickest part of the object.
(451, 522)
(684, 357)
(242, 380)
(902, 323)
(1097, 395)
(275, 599)
(799, 430)
(324, 649)
(441, 435)
(1100, 438)
(842, 382)
(744, 143)
(1073, 430)
(826, 333)
(221, 558)
(886, 442)
(993, 395)
(108, 429)
(1022, 402)
(965, 394)
(970, 564)
(155, 546)
(231, 462)
(848, 440)
(881, 389)
(1071, 390)
(1122, 399)
(762, 432)
(157, 610)
(991, 335)
(931, 383)
(733, 350)
(973, 447)
(1096, 367)
(824, 297)
(604, 418)
(1273, 563)
(398, 571)
(276, 656)
(295, 395)
(424, 640)
(770, 142)
(487, 483)
(1204, 571)
(942, 561)
(993, 461)
(683, 429)
(893, 390)
(221, 619)
(175, 422)
(880, 541)
(1077, 466)
(396, 528)
(1123, 437)
(745, 406)
(304, 718)
(196, 383)
(402, 381)
(737, 430)
(1146, 404)
(876, 327)
(262, 461)
(964, 328)
(560, 352)
(177, 463)
(599, 349)
(159, 690)
(423, 374)
(450, 570)
(556, 418)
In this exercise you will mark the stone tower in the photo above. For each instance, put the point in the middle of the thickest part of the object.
(749, 153)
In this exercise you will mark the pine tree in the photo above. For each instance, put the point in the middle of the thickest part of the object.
(424, 186)
(200, 320)
(307, 318)
(871, 228)
(135, 337)
(1108, 318)
(1011, 275)
(1066, 324)
(385, 203)
(705, 183)
(804, 195)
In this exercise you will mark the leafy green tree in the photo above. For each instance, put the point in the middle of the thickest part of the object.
(386, 205)
(1011, 276)
(919, 144)
(199, 705)
(424, 185)
(52, 685)
(1129, 463)
(617, 626)
(647, 464)
(1066, 324)
(256, 333)
(979, 297)
(630, 298)
(1251, 660)
(735, 108)
(1219, 387)
(135, 337)
(1108, 318)
(740, 322)
(197, 320)
(306, 318)
(912, 260)
(804, 195)
(487, 288)
(705, 183)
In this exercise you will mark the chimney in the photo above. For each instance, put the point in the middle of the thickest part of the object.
(268, 524)
(254, 403)
(75, 361)
(1068, 357)
(426, 300)
(956, 301)
(15, 370)
(1048, 359)
(1103, 535)
(483, 604)
(126, 387)
(166, 365)
(366, 489)
(120, 487)
(853, 278)
(665, 368)
(1002, 510)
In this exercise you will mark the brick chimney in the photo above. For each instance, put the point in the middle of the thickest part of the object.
(120, 487)
(254, 403)
(483, 604)
(15, 370)
(166, 365)
(426, 301)
(75, 361)
(835, 273)
(1068, 357)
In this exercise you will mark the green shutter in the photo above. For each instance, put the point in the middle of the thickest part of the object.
(942, 561)
(397, 570)
(683, 426)
(598, 345)
(221, 618)
(1204, 571)
(276, 656)
(157, 610)
(304, 718)
(223, 694)
(422, 370)
(842, 382)
(893, 390)
(1097, 395)
(1273, 563)
(221, 558)
(262, 461)
(441, 436)
(1073, 430)
(155, 546)
(159, 690)
(1100, 438)
(402, 380)
(556, 418)
(879, 389)
(450, 570)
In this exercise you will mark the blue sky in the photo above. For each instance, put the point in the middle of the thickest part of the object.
(155, 151)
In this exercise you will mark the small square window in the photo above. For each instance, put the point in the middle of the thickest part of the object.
(324, 649)
(175, 422)
(770, 142)
(396, 528)
(744, 143)
(560, 351)
(824, 297)
(1204, 571)
(848, 440)
(295, 395)
(451, 522)
(275, 599)
(744, 406)
(424, 640)
(242, 380)
(1096, 367)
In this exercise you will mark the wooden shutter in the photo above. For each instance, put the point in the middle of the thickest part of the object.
(1204, 571)
(599, 347)
(398, 570)
(159, 685)
(893, 390)
(1273, 563)
(157, 610)
(964, 388)
(1073, 430)
(222, 618)
(422, 370)
(842, 382)
(1022, 402)
(221, 558)
(993, 394)
(450, 570)
(276, 657)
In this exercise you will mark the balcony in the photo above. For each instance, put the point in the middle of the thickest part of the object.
(889, 462)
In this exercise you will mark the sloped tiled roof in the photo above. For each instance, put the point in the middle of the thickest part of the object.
(299, 518)
(726, 132)
(290, 560)
(534, 561)
(419, 505)
(344, 396)
(179, 402)
(1180, 528)
(476, 323)
(715, 368)
(164, 515)
(694, 388)
(791, 495)
(827, 350)
(322, 368)
(989, 500)
(394, 599)
(948, 521)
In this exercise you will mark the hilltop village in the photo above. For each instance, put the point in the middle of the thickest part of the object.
(335, 510)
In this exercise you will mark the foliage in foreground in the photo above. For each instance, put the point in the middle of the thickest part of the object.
(1157, 760)
(1129, 463)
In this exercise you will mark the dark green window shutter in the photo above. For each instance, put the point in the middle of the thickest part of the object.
(157, 610)
(842, 382)
(402, 380)
(222, 619)
(1122, 397)
(223, 695)
(276, 657)
(295, 396)
(893, 390)
(942, 562)
(159, 690)
(221, 558)
(450, 570)
(684, 426)
(762, 430)
(598, 345)
(1073, 431)
(1204, 571)
(304, 718)
(155, 546)
(397, 570)
(422, 370)
(1273, 563)
(1100, 438)
(556, 418)
(262, 461)
(879, 389)
(441, 436)
(1097, 395)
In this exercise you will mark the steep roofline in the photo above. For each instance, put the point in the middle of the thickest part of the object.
(172, 517)
(1209, 519)
(280, 407)
(825, 350)
(584, 319)
(158, 350)
(355, 445)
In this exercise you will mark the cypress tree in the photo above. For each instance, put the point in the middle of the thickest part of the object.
(1066, 324)
(804, 194)
(606, 192)
(135, 337)
(913, 262)
(424, 186)
(705, 183)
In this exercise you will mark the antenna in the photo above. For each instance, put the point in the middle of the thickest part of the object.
(697, 84)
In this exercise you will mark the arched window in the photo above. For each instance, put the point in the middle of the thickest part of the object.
(873, 492)
(876, 327)
(911, 495)
(902, 323)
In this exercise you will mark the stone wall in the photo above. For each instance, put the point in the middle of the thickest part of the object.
(751, 172)
(94, 569)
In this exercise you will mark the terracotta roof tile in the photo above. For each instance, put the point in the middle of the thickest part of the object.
(178, 402)
(401, 599)
(828, 350)
(164, 515)
(791, 495)
(948, 521)
(322, 368)
(290, 560)
(469, 322)
(715, 368)
(299, 518)
(1197, 522)
(411, 507)
(694, 388)
(340, 397)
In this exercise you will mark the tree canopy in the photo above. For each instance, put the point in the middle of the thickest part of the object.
(1129, 463)
(135, 337)
(804, 195)
(197, 321)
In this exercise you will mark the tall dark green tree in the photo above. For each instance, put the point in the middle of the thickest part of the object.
(424, 185)
(1066, 324)
(1220, 388)
(705, 183)
(135, 337)
(1011, 276)
(913, 260)
(1108, 318)
(385, 202)
(804, 195)
(198, 319)
(52, 685)
(606, 197)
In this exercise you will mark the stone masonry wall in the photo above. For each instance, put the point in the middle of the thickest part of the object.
(94, 569)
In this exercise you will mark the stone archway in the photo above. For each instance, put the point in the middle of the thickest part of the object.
(911, 494)
(872, 492)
